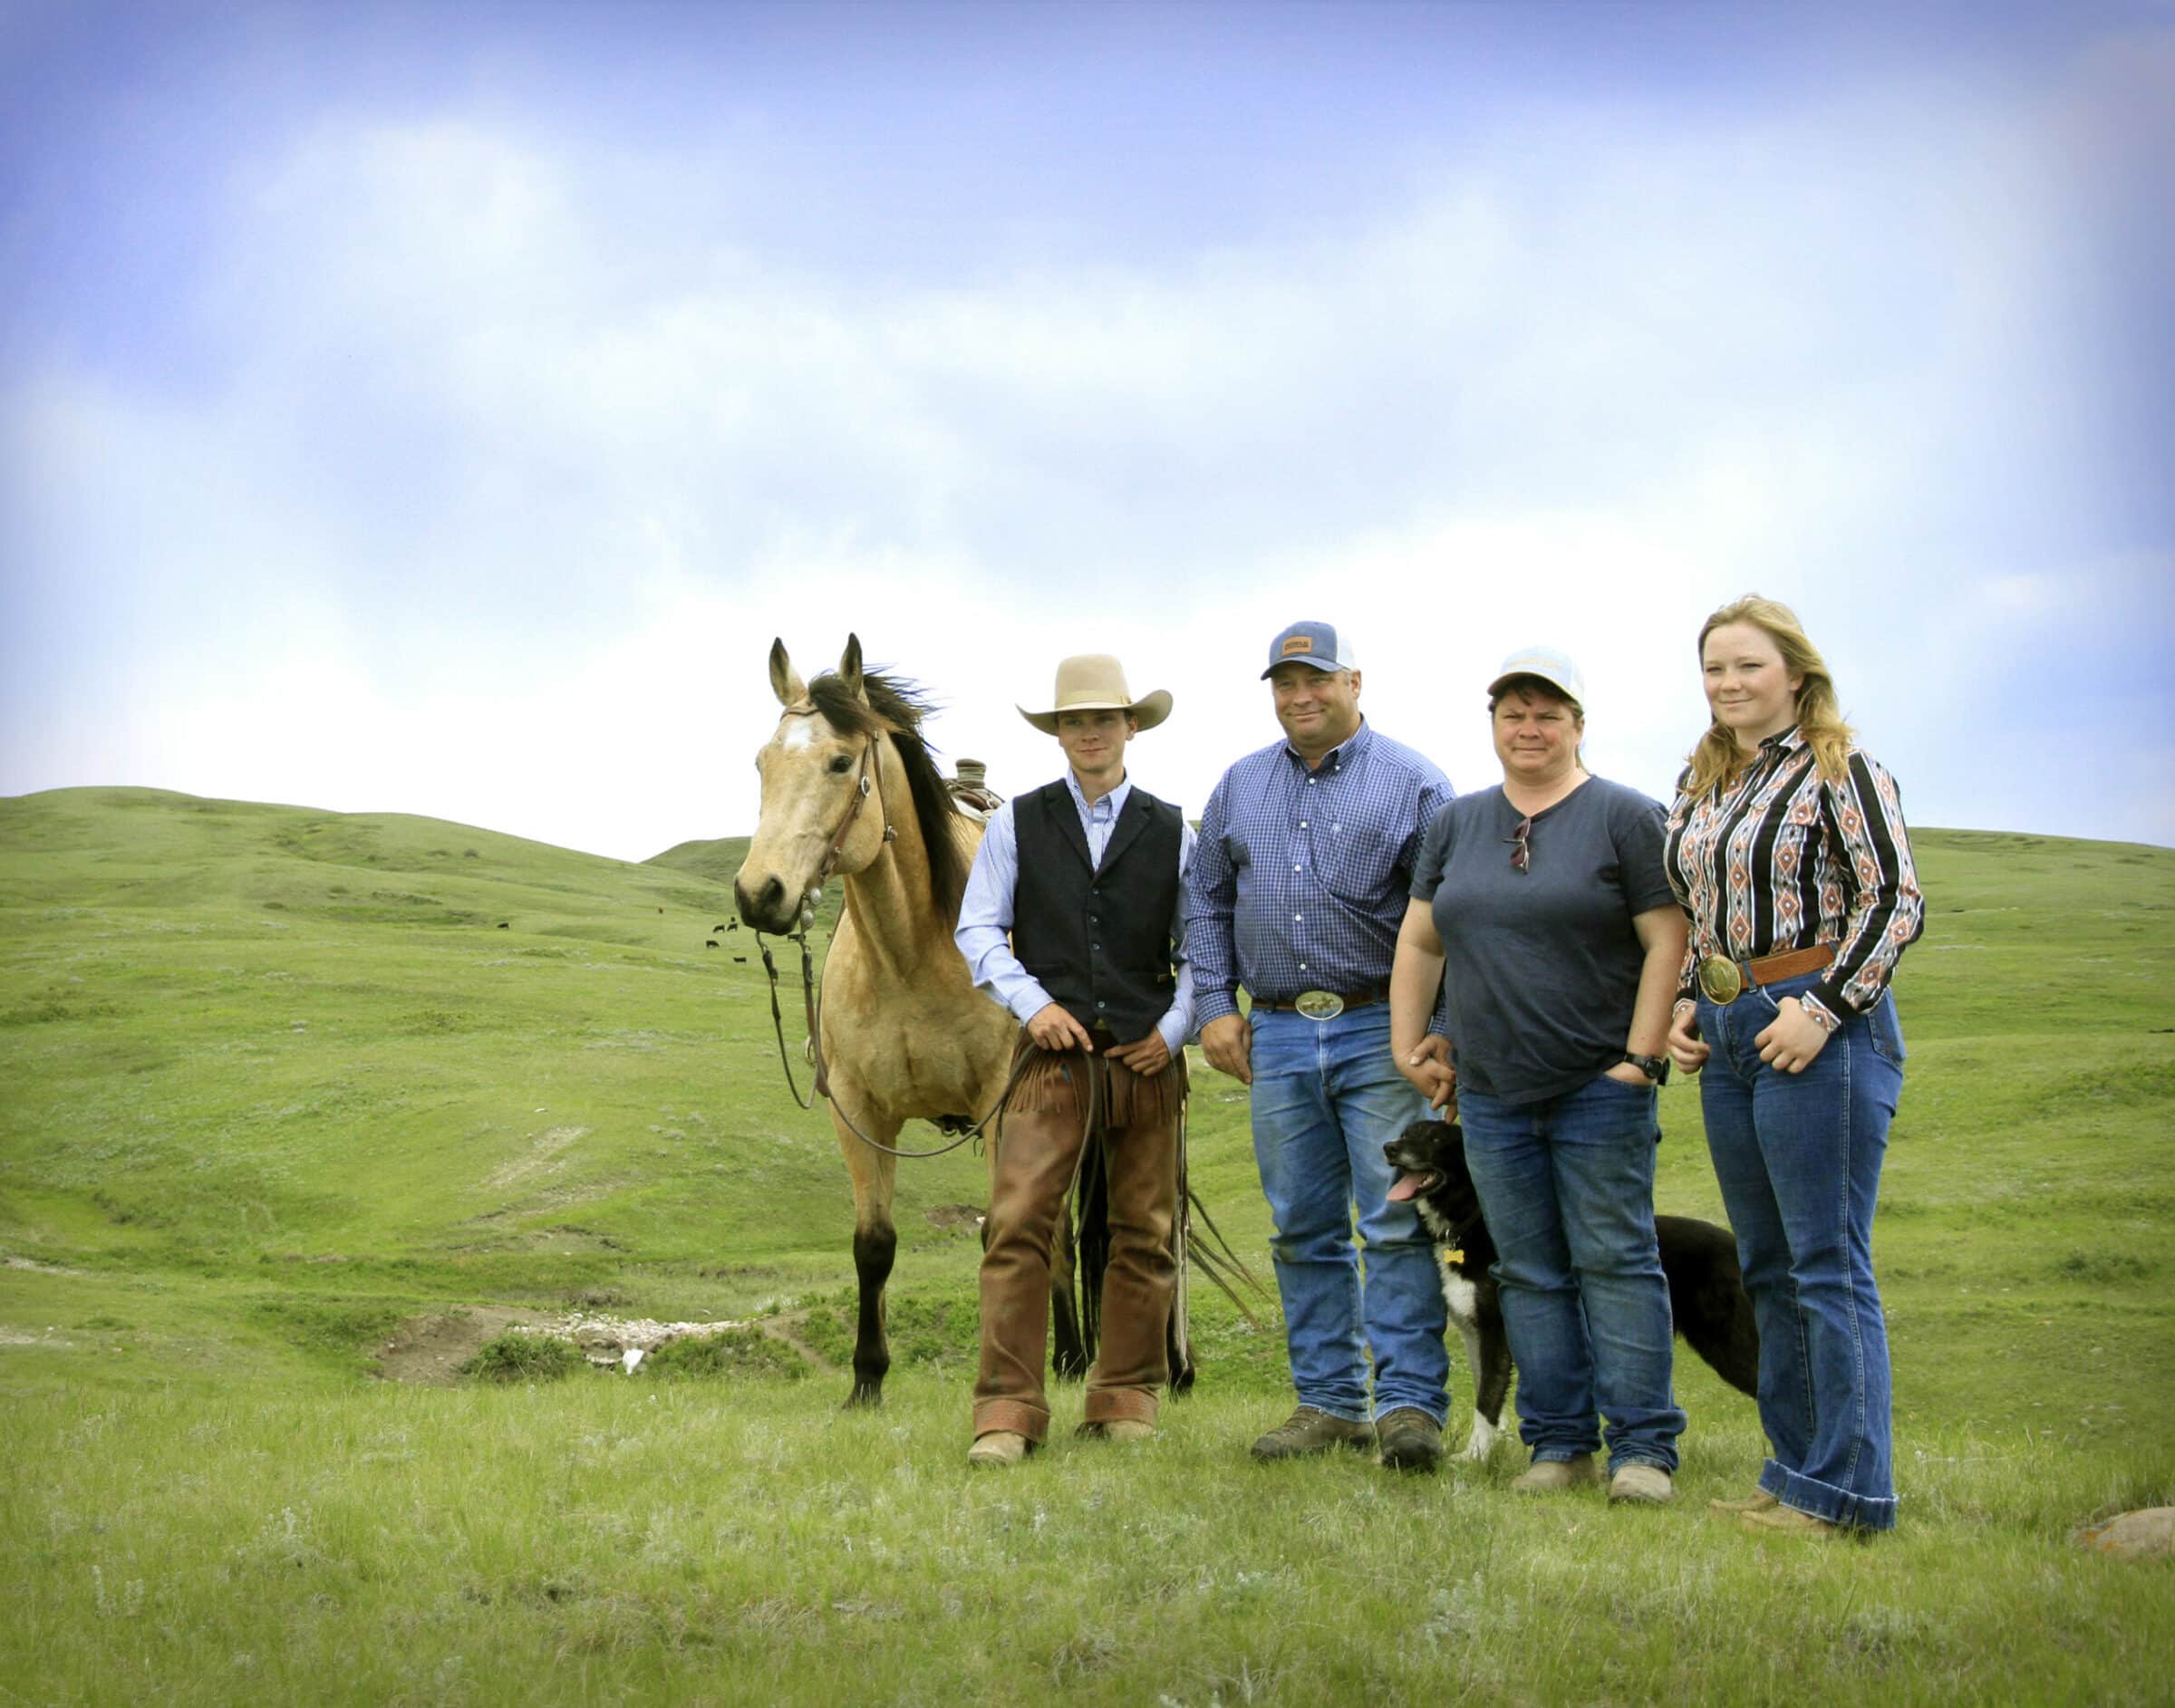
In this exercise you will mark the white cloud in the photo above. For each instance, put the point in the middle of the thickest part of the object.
(509, 475)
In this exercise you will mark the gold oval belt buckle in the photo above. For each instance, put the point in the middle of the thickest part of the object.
(1722, 978)
(1319, 1005)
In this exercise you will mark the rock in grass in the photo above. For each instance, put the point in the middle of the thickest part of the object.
(2148, 1533)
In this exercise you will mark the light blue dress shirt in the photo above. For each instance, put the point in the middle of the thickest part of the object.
(1305, 872)
(985, 912)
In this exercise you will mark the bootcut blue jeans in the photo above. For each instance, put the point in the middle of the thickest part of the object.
(1798, 1156)
(1326, 1099)
(1566, 1186)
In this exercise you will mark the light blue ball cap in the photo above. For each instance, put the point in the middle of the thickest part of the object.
(1316, 643)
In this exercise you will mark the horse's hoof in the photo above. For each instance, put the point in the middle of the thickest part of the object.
(865, 1394)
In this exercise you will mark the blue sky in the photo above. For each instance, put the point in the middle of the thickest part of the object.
(439, 409)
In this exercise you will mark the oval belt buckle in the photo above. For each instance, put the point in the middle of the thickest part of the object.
(1721, 980)
(1319, 1005)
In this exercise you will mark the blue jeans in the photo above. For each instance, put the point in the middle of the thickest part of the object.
(1798, 1156)
(1326, 1099)
(1566, 1185)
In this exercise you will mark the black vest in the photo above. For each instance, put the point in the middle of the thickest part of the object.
(1098, 941)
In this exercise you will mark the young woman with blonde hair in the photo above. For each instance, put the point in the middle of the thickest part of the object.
(1787, 847)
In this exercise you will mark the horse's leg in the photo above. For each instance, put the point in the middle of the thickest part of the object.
(876, 1243)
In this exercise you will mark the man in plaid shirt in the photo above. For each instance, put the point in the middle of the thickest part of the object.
(1299, 882)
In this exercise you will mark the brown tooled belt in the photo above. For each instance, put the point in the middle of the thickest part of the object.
(1300, 1003)
(1725, 980)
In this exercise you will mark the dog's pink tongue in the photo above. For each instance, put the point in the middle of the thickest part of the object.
(1407, 1186)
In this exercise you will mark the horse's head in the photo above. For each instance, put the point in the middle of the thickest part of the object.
(818, 768)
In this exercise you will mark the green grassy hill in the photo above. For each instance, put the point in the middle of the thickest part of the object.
(271, 1066)
(274, 1081)
(277, 1077)
(717, 859)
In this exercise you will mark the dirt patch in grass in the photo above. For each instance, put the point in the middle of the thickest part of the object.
(430, 1350)
(546, 1156)
(35, 1268)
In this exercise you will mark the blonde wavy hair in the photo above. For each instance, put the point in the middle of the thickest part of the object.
(1717, 758)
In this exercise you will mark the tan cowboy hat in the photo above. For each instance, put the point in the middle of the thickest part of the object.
(1095, 681)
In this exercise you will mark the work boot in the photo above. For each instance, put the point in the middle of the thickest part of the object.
(1551, 1476)
(1310, 1430)
(997, 1451)
(1640, 1485)
(1118, 1429)
(1410, 1438)
(1787, 1521)
(1758, 1500)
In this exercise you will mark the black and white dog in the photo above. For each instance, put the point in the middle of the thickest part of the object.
(1706, 1288)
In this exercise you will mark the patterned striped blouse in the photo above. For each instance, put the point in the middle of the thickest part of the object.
(1778, 861)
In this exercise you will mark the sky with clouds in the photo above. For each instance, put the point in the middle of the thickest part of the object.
(439, 409)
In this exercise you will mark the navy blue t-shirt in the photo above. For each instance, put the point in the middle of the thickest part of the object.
(1541, 966)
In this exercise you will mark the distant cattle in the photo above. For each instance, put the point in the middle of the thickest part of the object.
(709, 942)
(502, 925)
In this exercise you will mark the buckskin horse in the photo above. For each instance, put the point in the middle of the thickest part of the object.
(849, 787)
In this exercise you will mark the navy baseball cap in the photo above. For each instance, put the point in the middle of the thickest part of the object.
(1315, 643)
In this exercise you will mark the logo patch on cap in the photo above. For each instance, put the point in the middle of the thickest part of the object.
(1298, 643)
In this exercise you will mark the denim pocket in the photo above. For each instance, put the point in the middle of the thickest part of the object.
(1884, 1031)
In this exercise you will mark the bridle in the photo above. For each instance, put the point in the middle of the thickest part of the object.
(811, 986)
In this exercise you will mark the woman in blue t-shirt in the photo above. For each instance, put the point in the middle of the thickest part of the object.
(1542, 910)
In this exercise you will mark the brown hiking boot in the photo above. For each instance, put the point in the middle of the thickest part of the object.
(1758, 1500)
(1311, 1430)
(1411, 1439)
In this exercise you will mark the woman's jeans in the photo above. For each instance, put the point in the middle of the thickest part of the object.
(1566, 1185)
(1798, 1156)
(1327, 1097)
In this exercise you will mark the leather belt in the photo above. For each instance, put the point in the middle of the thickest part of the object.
(1319, 1005)
(1725, 980)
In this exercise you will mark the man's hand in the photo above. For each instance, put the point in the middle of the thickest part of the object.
(1684, 1048)
(1228, 1042)
(1147, 1057)
(1053, 1028)
(1427, 1066)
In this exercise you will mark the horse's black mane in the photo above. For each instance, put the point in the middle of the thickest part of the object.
(898, 706)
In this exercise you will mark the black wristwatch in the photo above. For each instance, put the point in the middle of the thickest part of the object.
(1655, 1067)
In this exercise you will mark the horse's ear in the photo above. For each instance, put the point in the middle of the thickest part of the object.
(850, 668)
(785, 680)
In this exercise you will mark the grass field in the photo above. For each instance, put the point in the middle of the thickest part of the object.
(279, 1091)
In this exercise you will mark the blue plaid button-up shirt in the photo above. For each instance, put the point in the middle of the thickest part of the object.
(1300, 878)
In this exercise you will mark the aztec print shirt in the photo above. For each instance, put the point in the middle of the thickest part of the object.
(1779, 859)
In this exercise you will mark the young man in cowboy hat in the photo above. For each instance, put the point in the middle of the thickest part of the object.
(1083, 874)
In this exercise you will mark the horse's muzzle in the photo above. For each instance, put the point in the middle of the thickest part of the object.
(768, 908)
